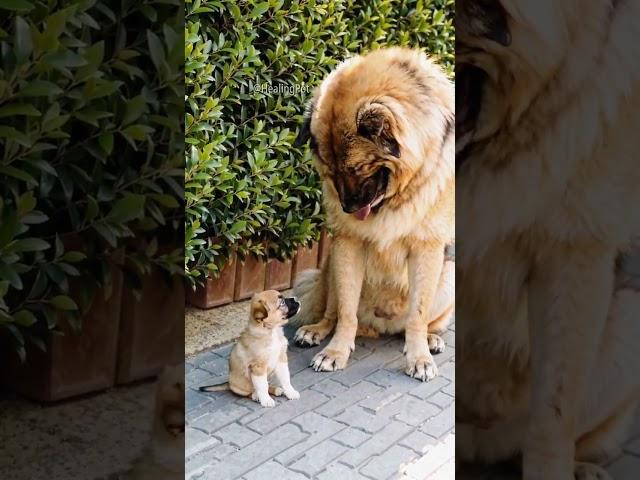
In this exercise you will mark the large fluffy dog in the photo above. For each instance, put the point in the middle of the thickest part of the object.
(547, 194)
(382, 134)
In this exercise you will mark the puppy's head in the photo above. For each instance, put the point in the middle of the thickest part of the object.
(373, 123)
(270, 309)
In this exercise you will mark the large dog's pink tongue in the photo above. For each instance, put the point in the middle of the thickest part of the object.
(363, 213)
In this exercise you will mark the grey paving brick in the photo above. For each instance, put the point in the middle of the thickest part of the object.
(217, 367)
(448, 370)
(308, 377)
(224, 351)
(351, 437)
(441, 399)
(449, 338)
(215, 420)
(426, 389)
(396, 386)
(338, 471)
(193, 399)
(236, 434)
(377, 444)
(287, 410)
(388, 464)
(329, 388)
(412, 411)
(356, 416)
(223, 451)
(195, 465)
(417, 441)
(353, 395)
(357, 371)
(318, 427)
(450, 389)
(197, 377)
(203, 357)
(297, 362)
(397, 380)
(273, 470)
(444, 357)
(440, 424)
(197, 441)
(263, 450)
(315, 459)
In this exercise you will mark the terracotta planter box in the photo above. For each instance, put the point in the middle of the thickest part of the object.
(77, 362)
(217, 291)
(151, 328)
(250, 277)
(278, 275)
(305, 259)
(324, 247)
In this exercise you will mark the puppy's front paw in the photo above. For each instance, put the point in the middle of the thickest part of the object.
(330, 360)
(420, 363)
(268, 402)
(292, 394)
(590, 471)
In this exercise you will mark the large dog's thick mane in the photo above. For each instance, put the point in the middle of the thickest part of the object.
(534, 113)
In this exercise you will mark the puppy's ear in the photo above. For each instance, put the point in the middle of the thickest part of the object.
(304, 134)
(259, 310)
(375, 122)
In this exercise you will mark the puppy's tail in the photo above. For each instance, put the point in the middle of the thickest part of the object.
(215, 388)
(310, 288)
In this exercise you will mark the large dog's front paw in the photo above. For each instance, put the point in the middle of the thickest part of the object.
(420, 363)
(590, 471)
(311, 335)
(330, 359)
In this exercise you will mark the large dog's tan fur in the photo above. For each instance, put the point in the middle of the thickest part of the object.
(387, 273)
(547, 196)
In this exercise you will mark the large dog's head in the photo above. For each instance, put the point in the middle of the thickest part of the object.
(510, 52)
(374, 124)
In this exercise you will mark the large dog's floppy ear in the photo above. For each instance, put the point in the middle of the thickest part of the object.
(304, 134)
(375, 122)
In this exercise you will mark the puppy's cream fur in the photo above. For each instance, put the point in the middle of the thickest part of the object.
(260, 352)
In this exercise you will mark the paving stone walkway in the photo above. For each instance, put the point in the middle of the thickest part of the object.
(369, 421)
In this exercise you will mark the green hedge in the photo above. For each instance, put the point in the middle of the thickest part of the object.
(91, 142)
(247, 187)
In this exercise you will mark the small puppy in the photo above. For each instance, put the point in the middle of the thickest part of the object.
(262, 350)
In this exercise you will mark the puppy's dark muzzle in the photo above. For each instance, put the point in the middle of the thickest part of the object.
(293, 306)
